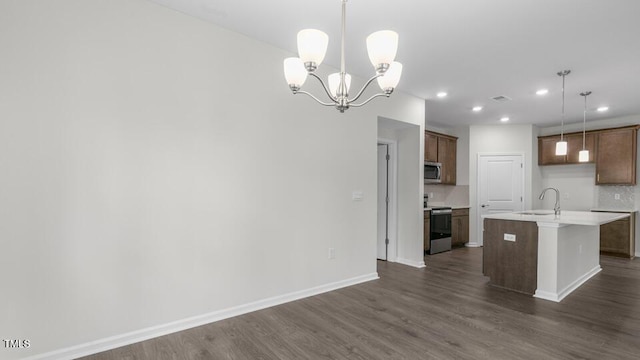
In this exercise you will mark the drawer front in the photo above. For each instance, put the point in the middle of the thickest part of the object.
(460, 212)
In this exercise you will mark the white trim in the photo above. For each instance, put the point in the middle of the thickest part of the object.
(416, 264)
(392, 256)
(557, 297)
(116, 341)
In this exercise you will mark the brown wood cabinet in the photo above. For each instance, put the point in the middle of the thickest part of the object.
(617, 238)
(459, 227)
(430, 147)
(574, 145)
(511, 264)
(612, 150)
(427, 230)
(616, 156)
(547, 149)
(443, 149)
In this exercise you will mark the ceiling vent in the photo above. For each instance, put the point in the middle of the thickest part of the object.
(501, 98)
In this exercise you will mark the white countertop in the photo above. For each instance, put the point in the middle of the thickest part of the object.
(615, 210)
(565, 217)
(454, 207)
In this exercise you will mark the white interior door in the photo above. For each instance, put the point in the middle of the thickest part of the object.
(383, 204)
(500, 186)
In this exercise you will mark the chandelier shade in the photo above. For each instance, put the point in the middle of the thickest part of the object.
(391, 77)
(294, 72)
(312, 46)
(382, 47)
(334, 83)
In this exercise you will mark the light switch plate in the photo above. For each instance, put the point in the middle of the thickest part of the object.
(510, 237)
(356, 195)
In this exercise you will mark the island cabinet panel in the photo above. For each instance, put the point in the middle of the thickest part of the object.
(427, 230)
(511, 264)
(617, 238)
(459, 227)
(616, 157)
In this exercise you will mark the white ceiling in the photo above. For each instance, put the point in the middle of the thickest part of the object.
(472, 49)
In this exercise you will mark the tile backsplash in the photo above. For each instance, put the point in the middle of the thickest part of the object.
(450, 195)
(617, 197)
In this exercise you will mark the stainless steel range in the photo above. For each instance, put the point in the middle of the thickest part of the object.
(440, 230)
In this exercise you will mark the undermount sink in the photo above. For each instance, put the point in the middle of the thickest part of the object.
(535, 213)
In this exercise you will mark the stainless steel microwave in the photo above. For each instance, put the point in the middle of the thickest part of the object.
(432, 172)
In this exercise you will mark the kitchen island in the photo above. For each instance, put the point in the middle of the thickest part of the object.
(542, 254)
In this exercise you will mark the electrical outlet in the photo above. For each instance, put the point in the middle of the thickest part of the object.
(616, 196)
(356, 195)
(332, 253)
(510, 237)
(580, 249)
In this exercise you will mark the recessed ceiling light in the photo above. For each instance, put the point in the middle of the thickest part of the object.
(504, 119)
(477, 108)
(542, 92)
(603, 108)
(441, 94)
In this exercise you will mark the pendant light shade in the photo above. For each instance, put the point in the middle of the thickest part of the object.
(583, 155)
(561, 146)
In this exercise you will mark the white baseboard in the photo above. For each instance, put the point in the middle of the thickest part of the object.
(557, 297)
(416, 264)
(472, 244)
(113, 342)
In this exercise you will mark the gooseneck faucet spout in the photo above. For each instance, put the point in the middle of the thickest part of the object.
(556, 208)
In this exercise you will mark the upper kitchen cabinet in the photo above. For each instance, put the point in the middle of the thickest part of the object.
(574, 145)
(616, 156)
(547, 149)
(430, 146)
(443, 149)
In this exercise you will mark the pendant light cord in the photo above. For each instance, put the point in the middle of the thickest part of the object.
(562, 120)
(584, 122)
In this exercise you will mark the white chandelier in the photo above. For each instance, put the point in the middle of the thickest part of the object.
(312, 46)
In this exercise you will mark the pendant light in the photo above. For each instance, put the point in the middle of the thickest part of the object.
(583, 155)
(561, 146)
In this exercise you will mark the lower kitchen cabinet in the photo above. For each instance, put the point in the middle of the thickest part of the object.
(618, 238)
(427, 230)
(459, 227)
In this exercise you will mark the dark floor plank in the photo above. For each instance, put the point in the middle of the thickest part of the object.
(445, 311)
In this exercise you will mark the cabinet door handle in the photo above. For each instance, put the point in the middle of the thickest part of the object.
(598, 177)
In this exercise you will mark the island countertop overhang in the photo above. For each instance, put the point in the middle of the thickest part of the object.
(565, 218)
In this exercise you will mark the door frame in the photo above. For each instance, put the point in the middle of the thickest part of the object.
(392, 250)
(479, 224)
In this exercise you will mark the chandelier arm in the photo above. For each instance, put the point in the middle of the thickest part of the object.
(369, 99)
(364, 88)
(324, 86)
(315, 98)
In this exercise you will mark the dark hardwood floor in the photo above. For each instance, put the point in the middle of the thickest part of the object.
(446, 311)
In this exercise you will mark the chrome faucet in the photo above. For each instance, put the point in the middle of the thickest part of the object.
(556, 208)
